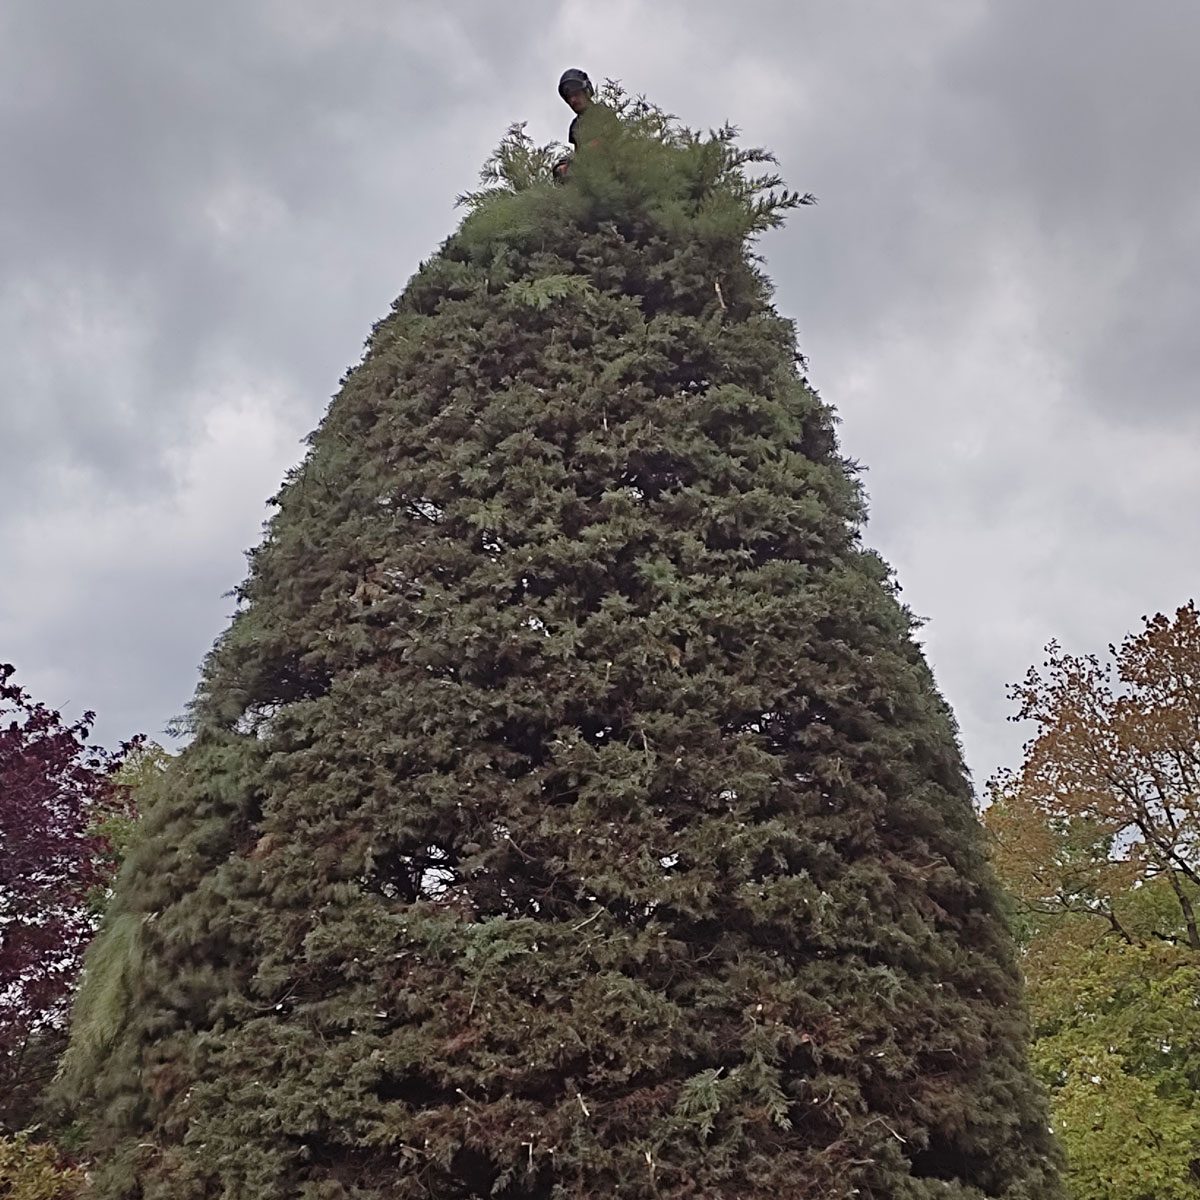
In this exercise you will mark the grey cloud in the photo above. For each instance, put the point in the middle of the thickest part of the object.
(1074, 121)
(204, 208)
(128, 128)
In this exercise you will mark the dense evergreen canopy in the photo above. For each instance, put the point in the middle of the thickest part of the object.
(570, 812)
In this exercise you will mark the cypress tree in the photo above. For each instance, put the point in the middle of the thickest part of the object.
(570, 812)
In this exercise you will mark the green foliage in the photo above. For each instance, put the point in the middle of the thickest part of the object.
(117, 824)
(570, 812)
(1094, 836)
(646, 167)
(1118, 1043)
(32, 1170)
(516, 165)
(102, 1001)
(541, 293)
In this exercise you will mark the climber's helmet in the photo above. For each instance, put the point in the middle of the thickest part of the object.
(576, 89)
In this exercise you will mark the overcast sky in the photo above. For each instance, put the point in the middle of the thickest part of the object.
(203, 208)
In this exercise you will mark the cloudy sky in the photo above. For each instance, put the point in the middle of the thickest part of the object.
(203, 208)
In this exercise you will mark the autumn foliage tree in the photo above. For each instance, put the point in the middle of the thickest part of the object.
(54, 788)
(1097, 835)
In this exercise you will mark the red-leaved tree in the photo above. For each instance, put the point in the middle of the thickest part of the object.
(54, 790)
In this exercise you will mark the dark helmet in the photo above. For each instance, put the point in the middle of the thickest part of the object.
(575, 80)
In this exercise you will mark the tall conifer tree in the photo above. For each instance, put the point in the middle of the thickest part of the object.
(570, 812)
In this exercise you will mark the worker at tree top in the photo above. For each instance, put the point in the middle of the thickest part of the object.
(590, 117)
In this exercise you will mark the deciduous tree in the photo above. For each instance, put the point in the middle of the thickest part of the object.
(1096, 835)
(54, 788)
